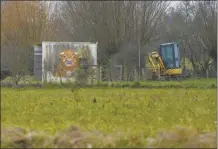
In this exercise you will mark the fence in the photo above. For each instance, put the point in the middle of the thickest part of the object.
(117, 73)
(92, 74)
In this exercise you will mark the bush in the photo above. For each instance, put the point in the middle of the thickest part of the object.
(26, 81)
(136, 84)
(81, 77)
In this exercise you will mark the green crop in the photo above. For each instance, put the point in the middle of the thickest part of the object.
(136, 112)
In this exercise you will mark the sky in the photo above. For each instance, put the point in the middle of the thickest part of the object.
(174, 3)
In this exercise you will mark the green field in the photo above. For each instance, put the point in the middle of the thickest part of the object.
(135, 112)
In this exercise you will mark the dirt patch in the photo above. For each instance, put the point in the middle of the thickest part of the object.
(73, 137)
(183, 137)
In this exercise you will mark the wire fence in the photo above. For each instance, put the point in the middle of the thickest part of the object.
(119, 73)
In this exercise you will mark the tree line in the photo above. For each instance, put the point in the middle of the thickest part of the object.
(125, 30)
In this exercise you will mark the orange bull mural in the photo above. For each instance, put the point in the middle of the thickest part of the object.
(61, 60)
(68, 62)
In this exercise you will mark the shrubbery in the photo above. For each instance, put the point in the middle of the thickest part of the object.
(82, 78)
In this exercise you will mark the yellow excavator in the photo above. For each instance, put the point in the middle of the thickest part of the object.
(165, 64)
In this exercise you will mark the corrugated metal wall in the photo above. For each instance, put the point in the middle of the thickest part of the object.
(50, 57)
(38, 62)
(46, 57)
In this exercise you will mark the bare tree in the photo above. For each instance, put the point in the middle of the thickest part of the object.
(208, 24)
(116, 25)
(193, 25)
(23, 24)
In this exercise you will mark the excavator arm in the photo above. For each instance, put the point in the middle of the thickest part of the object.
(156, 63)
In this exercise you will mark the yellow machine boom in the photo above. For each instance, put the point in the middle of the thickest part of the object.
(156, 62)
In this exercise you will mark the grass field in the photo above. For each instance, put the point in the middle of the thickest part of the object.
(135, 112)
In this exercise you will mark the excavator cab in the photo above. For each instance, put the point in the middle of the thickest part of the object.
(169, 52)
(167, 61)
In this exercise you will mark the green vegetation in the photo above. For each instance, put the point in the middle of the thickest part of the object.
(187, 83)
(128, 116)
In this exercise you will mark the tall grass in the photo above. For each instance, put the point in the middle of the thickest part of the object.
(187, 83)
(129, 111)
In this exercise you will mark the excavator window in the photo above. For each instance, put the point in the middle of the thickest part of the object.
(167, 56)
(169, 53)
(177, 56)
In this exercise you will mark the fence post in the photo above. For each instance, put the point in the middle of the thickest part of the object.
(125, 73)
(135, 75)
(121, 73)
(99, 73)
(143, 74)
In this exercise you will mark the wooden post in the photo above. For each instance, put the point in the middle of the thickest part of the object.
(125, 73)
(121, 71)
(100, 73)
(135, 75)
(143, 74)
